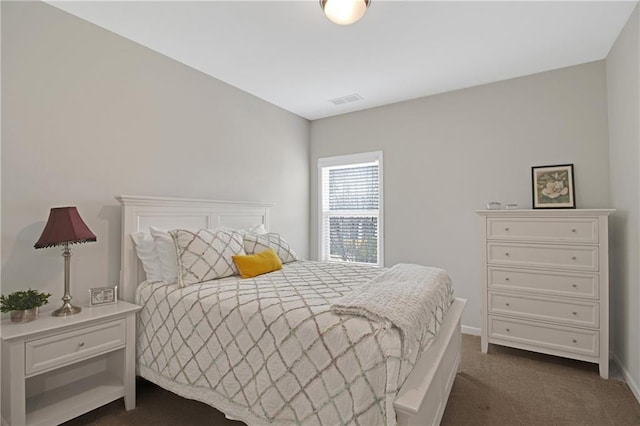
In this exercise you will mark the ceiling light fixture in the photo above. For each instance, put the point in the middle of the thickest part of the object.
(344, 12)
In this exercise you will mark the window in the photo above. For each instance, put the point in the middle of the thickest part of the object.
(351, 208)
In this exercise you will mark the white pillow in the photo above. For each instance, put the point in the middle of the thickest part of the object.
(255, 229)
(254, 243)
(145, 247)
(166, 251)
(206, 254)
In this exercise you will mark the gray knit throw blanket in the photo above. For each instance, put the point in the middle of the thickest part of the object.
(403, 296)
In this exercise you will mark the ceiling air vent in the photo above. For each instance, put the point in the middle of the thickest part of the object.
(346, 99)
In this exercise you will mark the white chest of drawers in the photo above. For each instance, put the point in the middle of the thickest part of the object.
(545, 282)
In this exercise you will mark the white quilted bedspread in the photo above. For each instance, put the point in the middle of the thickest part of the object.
(268, 350)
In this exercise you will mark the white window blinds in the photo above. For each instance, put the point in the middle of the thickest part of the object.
(351, 206)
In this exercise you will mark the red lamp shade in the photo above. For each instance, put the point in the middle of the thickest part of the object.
(65, 226)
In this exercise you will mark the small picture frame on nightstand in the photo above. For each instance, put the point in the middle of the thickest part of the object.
(103, 296)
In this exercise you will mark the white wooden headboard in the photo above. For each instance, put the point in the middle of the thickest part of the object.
(139, 213)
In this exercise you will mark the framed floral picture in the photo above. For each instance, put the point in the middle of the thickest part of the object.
(553, 187)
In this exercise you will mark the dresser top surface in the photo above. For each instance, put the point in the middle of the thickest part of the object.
(546, 212)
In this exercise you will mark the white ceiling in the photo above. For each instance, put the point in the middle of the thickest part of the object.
(289, 54)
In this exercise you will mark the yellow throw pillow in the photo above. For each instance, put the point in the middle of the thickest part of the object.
(253, 265)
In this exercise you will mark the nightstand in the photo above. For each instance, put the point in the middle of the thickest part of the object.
(57, 368)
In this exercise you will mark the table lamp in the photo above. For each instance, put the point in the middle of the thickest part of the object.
(64, 227)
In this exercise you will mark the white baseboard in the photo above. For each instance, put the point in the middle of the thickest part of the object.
(635, 389)
(474, 331)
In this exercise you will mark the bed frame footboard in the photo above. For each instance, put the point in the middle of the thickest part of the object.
(423, 397)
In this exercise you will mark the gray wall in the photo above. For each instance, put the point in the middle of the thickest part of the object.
(623, 90)
(447, 155)
(88, 115)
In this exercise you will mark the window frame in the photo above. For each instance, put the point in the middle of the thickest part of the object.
(347, 160)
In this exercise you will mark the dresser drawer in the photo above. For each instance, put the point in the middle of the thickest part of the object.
(49, 352)
(576, 230)
(543, 282)
(543, 256)
(567, 312)
(583, 342)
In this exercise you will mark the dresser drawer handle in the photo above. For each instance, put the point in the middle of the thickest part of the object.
(574, 313)
(574, 341)
(506, 279)
(81, 344)
(508, 331)
(507, 304)
(573, 258)
(574, 285)
(573, 230)
(506, 229)
(506, 254)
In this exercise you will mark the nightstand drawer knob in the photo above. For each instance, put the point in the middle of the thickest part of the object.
(81, 344)
(574, 285)
(573, 230)
(508, 331)
(575, 313)
(574, 341)
(506, 229)
(507, 304)
(506, 279)
(573, 258)
(506, 254)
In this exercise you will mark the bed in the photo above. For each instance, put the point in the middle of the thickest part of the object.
(268, 350)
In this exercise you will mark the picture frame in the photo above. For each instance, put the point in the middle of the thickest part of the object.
(103, 296)
(553, 187)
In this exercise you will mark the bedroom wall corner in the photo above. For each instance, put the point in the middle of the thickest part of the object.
(88, 115)
(623, 96)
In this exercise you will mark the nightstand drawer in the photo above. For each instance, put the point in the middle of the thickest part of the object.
(583, 230)
(543, 256)
(584, 342)
(50, 352)
(564, 311)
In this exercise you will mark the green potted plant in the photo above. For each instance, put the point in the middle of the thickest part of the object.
(23, 305)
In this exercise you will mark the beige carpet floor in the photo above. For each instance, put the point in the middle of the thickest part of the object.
(504, 387)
